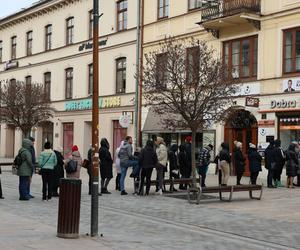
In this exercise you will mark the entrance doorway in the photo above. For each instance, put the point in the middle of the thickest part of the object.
(47, 132)
(241, 126)
(68, 134)
(119, 135)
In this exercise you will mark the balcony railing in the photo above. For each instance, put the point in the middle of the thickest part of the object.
(224, 8)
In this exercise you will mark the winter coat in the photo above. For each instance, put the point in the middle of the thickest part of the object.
(75, 156)
(58, 169)
(224, 154)
(47, 159)
(239, 161)
(125, 153)
(292, 162)
(184, 171)
(106, 160)
(26, 167)
(204, 157)
(148, 157)
(173, 159)
(162, 154)
(254, 160)
(279, 157)
(269, 156)
(188, 150)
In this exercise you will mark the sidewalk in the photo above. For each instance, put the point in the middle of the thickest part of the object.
(154, 222)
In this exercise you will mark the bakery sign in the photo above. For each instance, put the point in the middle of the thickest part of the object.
(283, 104)
(85, 104)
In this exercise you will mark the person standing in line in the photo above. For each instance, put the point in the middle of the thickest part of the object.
(162, 157)
(118, 166)
(188, 150)
(147, 161)
(255, 163)
(33, 156)
(279, 158)
(270, 164)
(225, 159)
(1, 194)
(127, 159)
(25, 169)
(75, 156)
(89, 168)
(47, 161)
(173, 160)
(291, 165)
(298, 171)
(182, 165)
(239, 162)
(204, 160)
(58, 172)
(105, 165)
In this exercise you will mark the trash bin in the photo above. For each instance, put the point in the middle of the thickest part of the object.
(69, 208)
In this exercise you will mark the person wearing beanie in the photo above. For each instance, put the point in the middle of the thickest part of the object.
(270, 163)
(225, 159)
(204, 160)
(47, 161)
(239, 162)
(279, 157)
(254, 163)
(75, 156)
(162, 157)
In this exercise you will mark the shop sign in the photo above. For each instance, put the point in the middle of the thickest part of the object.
(291, 85)
(290, 127)
(124, 121)
(266, 123)
(283, 104)
(252, 102)
(11, 65)
(89, 45)
(85, 104)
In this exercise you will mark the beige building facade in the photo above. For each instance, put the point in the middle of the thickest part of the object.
(50, 42)
(259, 40)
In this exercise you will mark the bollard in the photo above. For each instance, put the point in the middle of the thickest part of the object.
(69, 208)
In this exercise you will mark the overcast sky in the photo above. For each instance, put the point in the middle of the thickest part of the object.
(10, 6)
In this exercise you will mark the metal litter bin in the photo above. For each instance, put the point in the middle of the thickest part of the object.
(69, 208)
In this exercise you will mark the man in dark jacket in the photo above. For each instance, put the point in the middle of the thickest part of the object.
(225, 159)
(270, 163)
(58, 172)
(279, 158)
(173, 160)
(239, 162)
(204, 160)
(254, 162)
(105, 165)
(32, 151)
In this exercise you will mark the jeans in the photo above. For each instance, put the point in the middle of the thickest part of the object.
(24, 187)
(47, 177)
(160, 170)
(146, 172)
(124, 167)
(270, 177)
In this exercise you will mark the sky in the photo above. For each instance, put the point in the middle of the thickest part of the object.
(10, 6)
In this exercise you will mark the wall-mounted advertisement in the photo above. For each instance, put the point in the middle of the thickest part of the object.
(291, 85)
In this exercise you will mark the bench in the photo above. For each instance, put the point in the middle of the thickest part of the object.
(171, 182)
(225, 189)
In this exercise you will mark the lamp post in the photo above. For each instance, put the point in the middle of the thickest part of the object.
(95, 123)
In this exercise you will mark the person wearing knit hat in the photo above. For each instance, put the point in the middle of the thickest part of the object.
(254, 163)
(239, 162)
(75, 156)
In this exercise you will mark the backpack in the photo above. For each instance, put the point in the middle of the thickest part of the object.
(18, 160)
(71, 167)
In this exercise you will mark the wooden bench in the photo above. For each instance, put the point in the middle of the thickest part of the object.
(225, 189)
(171, 182)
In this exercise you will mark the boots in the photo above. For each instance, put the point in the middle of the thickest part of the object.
(287, 182)
(279, 184)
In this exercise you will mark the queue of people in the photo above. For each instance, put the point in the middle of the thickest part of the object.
(155, 155)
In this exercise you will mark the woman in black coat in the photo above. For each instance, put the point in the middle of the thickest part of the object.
(254, 163)
(183, 166)
(106, 162)
(173, 160)
(147, 161)
(239, 162)
(291, 165)
(58, 172)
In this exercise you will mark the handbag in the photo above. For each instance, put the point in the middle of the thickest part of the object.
(40, 171)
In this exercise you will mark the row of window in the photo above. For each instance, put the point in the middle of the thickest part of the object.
(120, 80)
(240, 57)
(122, 10)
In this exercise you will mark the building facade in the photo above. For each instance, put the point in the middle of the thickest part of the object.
(51, 43)
(259, 40)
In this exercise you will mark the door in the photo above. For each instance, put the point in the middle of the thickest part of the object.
(119, 134)
(68, 134)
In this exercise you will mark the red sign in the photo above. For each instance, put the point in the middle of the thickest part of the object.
(252, 102)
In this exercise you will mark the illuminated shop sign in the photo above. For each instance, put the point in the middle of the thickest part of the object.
(283, 104)
(85, 104)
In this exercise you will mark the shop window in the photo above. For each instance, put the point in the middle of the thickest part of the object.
(289, 129)
(291, 50)
(122, 15)
(163, 9)
(121, 75)
(240, 57)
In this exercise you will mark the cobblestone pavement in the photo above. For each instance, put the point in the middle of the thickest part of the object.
(154, 222)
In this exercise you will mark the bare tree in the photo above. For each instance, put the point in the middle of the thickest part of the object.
(24, 105)
(186, 80)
